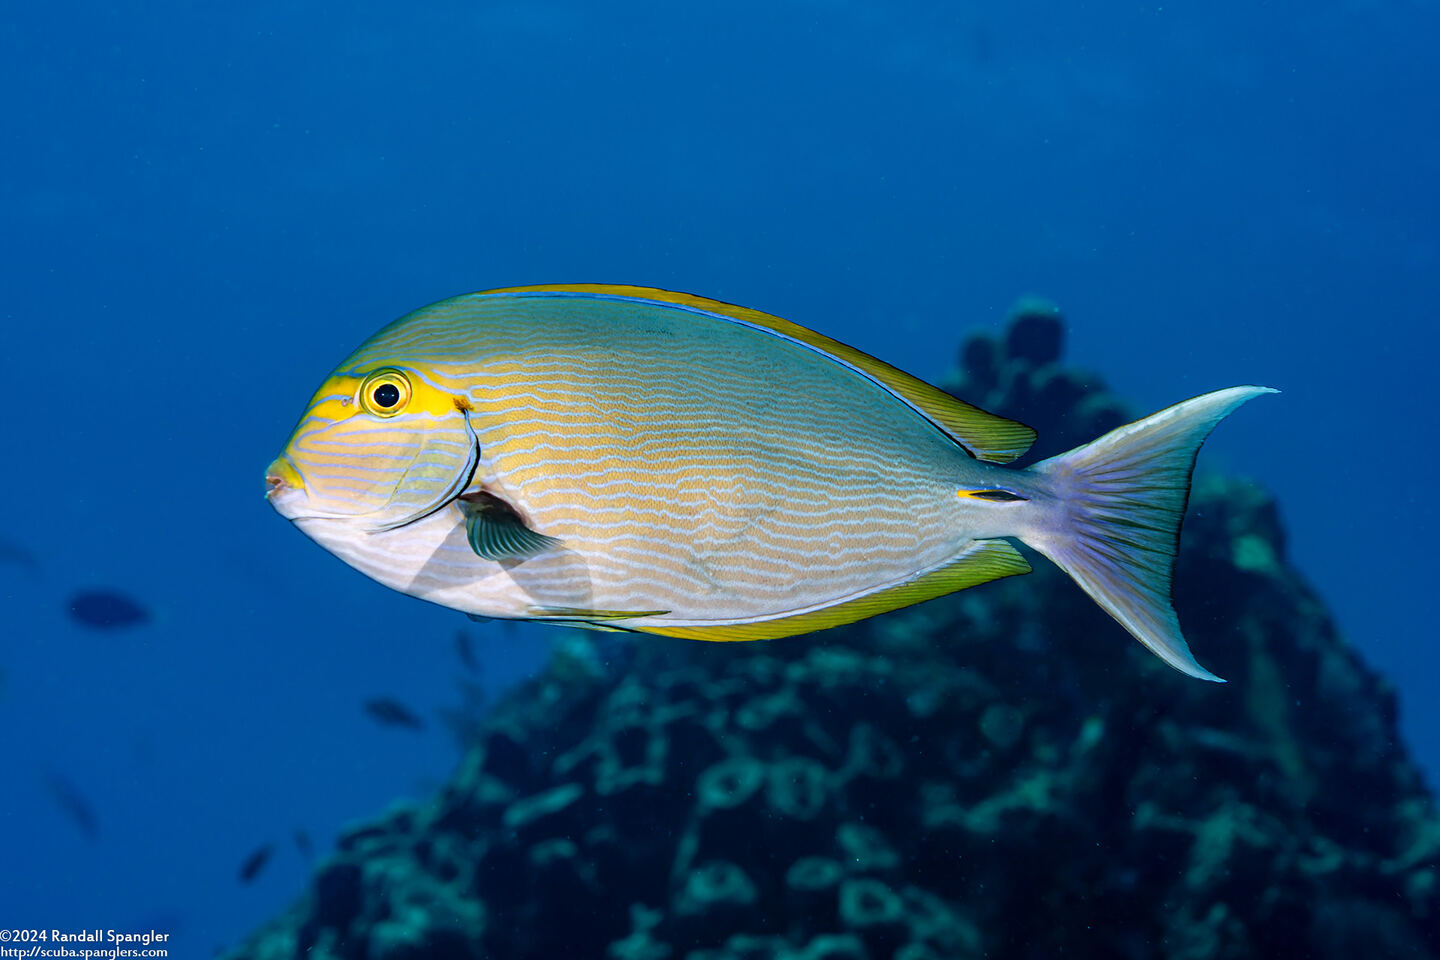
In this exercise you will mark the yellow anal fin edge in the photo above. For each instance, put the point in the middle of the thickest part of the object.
(987, 560)
(984, 435)
(587, 625)
(581, 613)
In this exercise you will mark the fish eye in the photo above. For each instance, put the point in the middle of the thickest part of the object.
(385, 392)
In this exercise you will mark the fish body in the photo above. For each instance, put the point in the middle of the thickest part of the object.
(465, 651)
(20, 556)
(253, 864)
(69, 798)
(393, 713)
(106, 610)
(644, 460)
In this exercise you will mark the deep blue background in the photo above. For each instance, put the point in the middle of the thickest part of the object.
(205, 210)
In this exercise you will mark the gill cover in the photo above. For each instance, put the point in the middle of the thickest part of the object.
(384, 448)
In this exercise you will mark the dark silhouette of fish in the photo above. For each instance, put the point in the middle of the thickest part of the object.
(303, 844)
(256, 862)
(73, 804)
(11, 552)
(465, 650)
(393, 713)
(106, 610)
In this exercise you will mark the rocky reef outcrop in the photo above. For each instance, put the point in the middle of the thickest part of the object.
(1001, 773)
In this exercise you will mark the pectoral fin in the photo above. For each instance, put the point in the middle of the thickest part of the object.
(496, 532)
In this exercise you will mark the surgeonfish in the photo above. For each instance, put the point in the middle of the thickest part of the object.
(634, 459)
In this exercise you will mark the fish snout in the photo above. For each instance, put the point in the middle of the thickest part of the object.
(283, 484)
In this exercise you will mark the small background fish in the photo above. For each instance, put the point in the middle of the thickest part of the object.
(254, 864)
(19, 556)
(392, 713)
(73, 803)
(102, 609)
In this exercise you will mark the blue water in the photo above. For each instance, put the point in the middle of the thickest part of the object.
(205, 210)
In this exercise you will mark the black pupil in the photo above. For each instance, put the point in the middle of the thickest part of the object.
(386, 395)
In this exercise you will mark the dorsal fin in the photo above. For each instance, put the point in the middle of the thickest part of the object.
(984, 435)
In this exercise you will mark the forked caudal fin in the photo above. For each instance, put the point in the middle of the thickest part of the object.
(1115, 524)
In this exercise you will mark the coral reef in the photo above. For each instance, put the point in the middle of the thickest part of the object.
(1001, 773)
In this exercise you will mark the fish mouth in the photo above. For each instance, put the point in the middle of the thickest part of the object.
(282, 475)
(285, 488)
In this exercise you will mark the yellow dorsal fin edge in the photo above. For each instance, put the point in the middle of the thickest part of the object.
(983, 434)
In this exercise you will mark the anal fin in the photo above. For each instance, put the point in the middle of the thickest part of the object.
(984, 561)
(581, 613)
